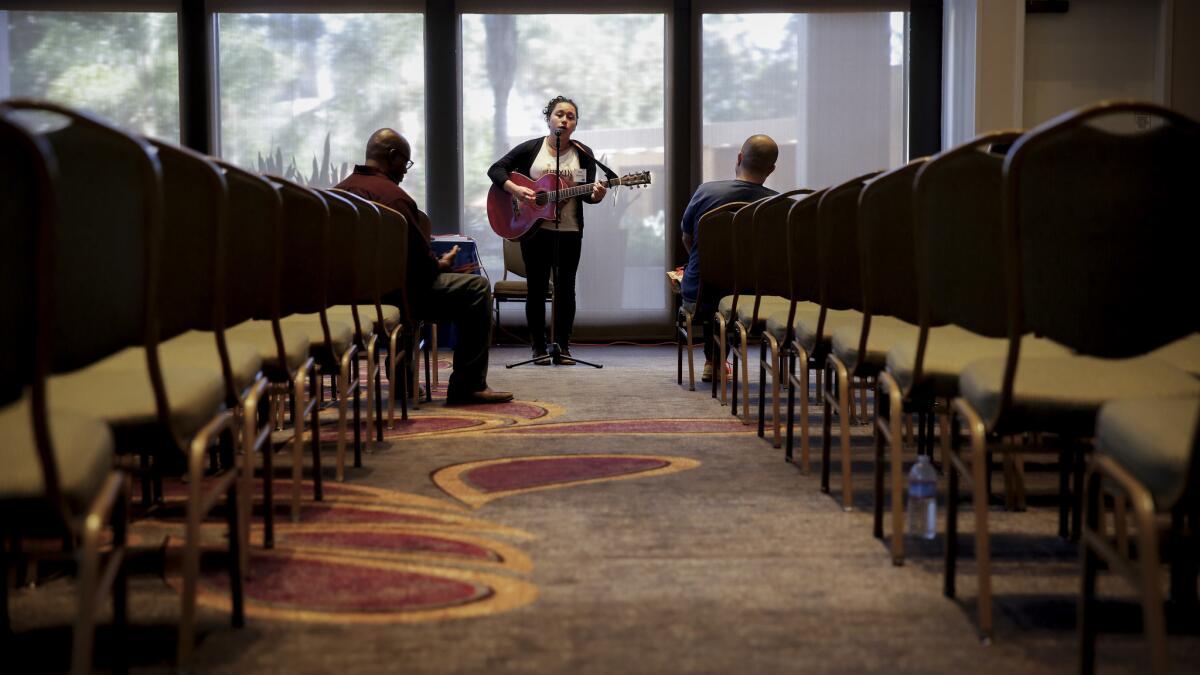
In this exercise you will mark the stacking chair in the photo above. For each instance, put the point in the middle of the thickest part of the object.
(393, 271)
(959, 287)
(334, 221)
(253, 270)
(776, 283)
(109, 233)
(372, 319)
(1094, 219)
(716, 274)
(841, 309)
(740, 259)
(1147, 456)
(757, 267)
(58, 479)
(804, 285)
(513, 290)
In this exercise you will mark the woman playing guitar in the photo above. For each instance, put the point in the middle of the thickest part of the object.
(536, 158)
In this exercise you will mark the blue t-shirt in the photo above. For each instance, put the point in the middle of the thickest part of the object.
(707, 197)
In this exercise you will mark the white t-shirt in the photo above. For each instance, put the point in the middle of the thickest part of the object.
(570, 170)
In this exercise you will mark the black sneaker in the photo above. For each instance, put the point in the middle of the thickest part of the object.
(543, 358)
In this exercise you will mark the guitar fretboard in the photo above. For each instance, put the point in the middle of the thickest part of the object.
(575, 191)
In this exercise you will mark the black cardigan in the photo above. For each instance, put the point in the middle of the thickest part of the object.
(520, 159)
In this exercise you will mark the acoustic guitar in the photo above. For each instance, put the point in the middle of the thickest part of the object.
(515, 221)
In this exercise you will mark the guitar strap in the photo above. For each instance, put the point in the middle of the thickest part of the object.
(609, 173)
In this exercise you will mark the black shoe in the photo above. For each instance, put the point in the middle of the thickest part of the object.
(487, 395)
(543, 358)
(564, 357)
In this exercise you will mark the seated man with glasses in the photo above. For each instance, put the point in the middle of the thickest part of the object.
(434, 293)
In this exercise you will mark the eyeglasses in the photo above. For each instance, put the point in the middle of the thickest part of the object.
(408, 164)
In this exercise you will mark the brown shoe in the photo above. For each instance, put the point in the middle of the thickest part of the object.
(488, 395)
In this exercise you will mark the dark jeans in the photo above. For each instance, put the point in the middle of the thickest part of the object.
(466, 301)
(702, 313)
(539, 253)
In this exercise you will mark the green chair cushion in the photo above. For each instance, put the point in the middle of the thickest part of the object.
(340, 331)
(261, 336)
(343, 313)
(949, 350)
(835, 319)
(767, 305)
(199, 349)
(1064, 394)
(778, 316)
(1183, 353)
(510, 288)
(725, 306)
(83, 453)
(1152, 438)
(117, 390)
(886, 332)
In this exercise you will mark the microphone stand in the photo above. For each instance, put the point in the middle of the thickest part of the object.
(553, 353)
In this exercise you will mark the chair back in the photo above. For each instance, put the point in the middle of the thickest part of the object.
(804, 281)
(886, 245)
(368, 257)
(1101, 229)
(108, 225)
(714, 236)
(305, 249)
(424, 224)
(343, 249)
(253, 264)
(956, 225)
(513, 260)
(770, 244)
(393, 272)
(28, 171)
(741, 256)
(191, 292)
(837, 226)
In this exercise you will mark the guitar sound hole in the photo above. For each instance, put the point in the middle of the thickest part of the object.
(542, 198)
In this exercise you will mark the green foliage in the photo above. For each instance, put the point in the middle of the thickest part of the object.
(324, 173)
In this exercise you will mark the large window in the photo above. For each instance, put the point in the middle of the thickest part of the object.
(612, 66)
(300, 93)
(119, 65)
(828, 87)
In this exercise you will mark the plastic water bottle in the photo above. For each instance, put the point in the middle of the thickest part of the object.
(922, 499)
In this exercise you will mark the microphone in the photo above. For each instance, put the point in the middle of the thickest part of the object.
(558, 131)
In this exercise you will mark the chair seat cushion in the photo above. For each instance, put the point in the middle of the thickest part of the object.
(766, 305)
(835, 319)
(725, 306)
(344, 314)
(1153, 439)
(777, 318)
(1183, 353)
(340, 331)
(261, 336)
(83, 453)
(510, 288)
(117, 390)
(948, 351)
(1064, 394)
(885, 332)
(199, 349)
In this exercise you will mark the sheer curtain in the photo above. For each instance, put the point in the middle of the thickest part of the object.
(612, 66)
(120, 65)
(301, 93)
(829, 87)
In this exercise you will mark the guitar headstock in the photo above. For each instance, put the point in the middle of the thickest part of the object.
(639, 179)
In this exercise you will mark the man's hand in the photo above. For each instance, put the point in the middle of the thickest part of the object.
(598, 191)
(447, 260)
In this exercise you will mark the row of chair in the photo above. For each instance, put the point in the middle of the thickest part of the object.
(1015, 285)
(170, 308)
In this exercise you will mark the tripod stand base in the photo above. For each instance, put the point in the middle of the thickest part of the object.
(553, 356)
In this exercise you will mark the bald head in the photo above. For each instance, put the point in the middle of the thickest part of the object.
(389, 152)
(757, 158)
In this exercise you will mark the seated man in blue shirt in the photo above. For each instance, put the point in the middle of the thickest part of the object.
(755, 162)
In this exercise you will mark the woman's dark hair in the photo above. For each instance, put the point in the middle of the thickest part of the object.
(554, 103)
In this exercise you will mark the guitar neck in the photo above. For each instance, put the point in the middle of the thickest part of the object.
(575, 191)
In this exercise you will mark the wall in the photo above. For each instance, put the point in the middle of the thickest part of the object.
(1099, 49)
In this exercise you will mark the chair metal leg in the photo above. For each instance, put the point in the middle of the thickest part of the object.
(314, 430)
(1090, 562)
